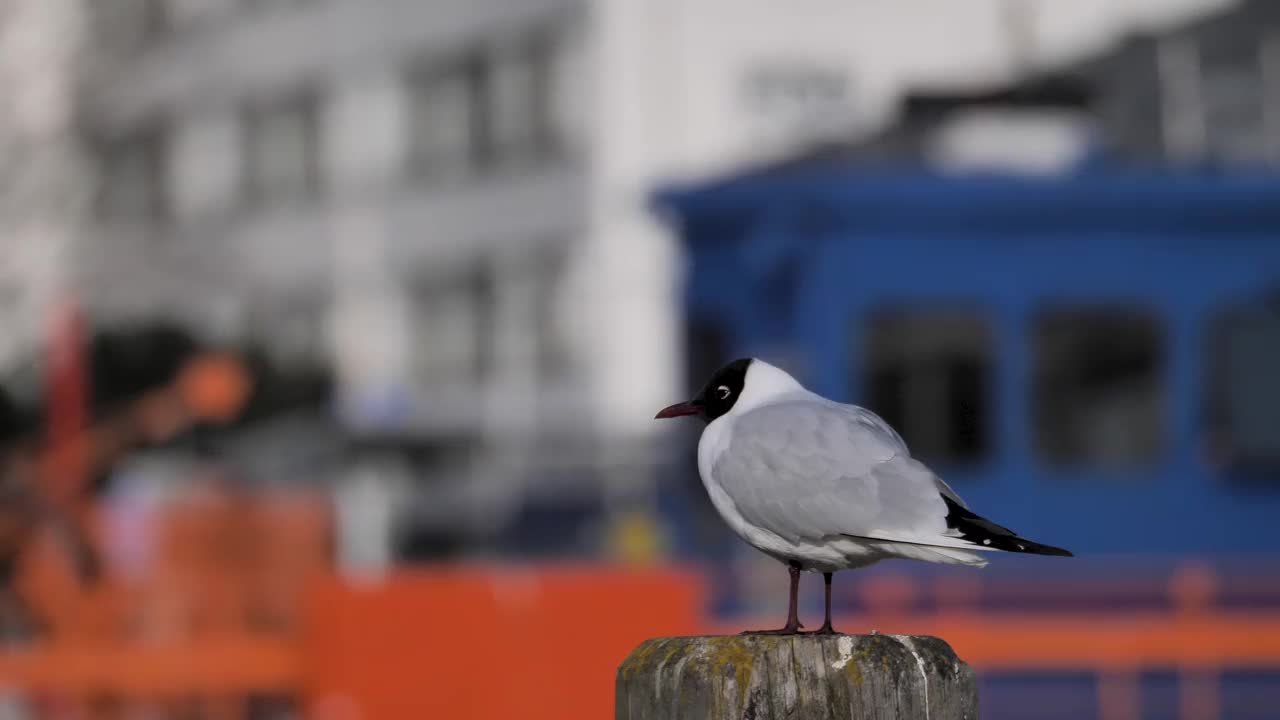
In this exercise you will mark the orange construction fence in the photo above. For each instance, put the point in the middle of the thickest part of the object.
(496, 642)
(238, 599)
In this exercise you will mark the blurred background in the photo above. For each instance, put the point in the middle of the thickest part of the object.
(331, 334)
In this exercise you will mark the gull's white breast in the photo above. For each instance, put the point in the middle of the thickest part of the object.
(837, 554)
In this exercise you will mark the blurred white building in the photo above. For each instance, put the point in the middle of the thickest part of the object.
(45, 183)
(447, 200)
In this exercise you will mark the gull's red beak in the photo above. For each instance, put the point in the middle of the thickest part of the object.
(678, 410)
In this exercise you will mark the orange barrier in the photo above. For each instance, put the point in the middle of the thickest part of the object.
(225, 666)
(459, 643)
(214, 564)
(496, 642)
(487, 643)
(206, 615)
(1123, 641)
(236, 598)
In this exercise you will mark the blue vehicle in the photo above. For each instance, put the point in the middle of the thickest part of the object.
(1096, 353)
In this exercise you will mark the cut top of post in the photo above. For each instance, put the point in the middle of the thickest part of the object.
(800, 677)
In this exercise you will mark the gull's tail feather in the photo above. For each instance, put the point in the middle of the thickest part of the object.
(987, 535)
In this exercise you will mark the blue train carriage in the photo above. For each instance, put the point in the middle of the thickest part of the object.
(1096, 354)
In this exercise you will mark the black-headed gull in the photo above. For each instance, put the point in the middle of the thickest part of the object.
(823, 486)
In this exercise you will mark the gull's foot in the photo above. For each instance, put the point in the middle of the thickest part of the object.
(826, 629)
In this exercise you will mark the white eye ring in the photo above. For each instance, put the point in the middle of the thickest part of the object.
(723, 392)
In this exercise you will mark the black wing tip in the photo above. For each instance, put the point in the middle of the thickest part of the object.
(984, 533)
(1034, 548)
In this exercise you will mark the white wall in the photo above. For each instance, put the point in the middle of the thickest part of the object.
(46, 186)
(1063, 30)
(711, 48)
(671, 101)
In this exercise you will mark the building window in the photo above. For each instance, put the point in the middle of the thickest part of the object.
(928, 374)
(1182, 110)
(1243, 387)
(454, 317)
(1234, 109)
(522, 99)
(154, 19)
(1098, 386)
(448, 117)
(282, 150)
(555, 359)
(127, 24)
(134, 184)
(149, 19)
(291, 330)
(490, 106)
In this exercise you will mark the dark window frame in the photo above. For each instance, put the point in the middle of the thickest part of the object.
(428, 76)
(153, 139)
(477, 67)
(476, 281)
(253, 189)
(1219, 374)
(536, 51)
(1232, 79)
(966, 433)
(555, 356)
(1059, 388)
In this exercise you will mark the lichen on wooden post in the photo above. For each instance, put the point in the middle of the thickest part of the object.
(800, 677)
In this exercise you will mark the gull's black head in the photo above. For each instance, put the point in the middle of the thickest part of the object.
(716, 397)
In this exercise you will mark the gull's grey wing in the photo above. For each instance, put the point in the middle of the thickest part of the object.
(814, 470)
(877, 425)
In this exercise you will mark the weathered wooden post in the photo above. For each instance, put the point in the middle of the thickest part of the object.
(798, 677)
